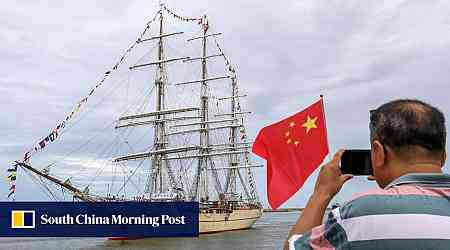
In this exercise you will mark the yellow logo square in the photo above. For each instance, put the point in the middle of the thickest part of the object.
(22, 219)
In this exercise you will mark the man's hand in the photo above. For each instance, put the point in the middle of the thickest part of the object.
(330, 179)
(328, 184)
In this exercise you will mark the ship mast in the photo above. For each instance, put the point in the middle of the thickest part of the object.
(156, 183)
(161, 178)
(231, 176)
(204, 133)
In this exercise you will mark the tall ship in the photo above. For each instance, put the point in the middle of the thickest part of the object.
(176, 130)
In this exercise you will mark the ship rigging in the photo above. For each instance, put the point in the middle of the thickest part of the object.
(198, 152)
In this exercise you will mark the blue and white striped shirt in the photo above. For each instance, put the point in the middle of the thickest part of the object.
(413, 212)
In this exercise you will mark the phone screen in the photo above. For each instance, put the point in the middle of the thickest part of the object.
(356, 162)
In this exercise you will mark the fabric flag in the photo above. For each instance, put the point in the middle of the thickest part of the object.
(42, 144)
(206, 26)
(27, 155)
(14, 169)
(293, 149)
(12, 190)
(12, 176)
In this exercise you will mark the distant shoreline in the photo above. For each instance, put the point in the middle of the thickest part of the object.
(282, 210)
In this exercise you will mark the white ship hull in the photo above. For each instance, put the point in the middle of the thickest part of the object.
(219, 222)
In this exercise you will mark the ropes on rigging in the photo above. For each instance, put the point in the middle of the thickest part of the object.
(63, 126)
(54, 134)
(40, 145)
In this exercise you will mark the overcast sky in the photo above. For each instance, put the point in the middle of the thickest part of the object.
(359, 54)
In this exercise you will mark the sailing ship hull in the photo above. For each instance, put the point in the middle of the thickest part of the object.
(236, 220)
(220, 222)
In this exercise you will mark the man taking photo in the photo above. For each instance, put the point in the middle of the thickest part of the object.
(410, 210)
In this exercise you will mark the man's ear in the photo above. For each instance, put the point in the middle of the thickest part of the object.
(378, 154)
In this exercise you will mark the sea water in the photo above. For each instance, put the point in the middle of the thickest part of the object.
(269, 232)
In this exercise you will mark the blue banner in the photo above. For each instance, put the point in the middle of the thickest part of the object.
(99, 219)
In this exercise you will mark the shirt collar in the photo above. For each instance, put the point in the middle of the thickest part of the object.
(430, 179)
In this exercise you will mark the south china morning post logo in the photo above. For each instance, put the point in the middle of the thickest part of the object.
(99, 219)
(21, 219)
(114, 219)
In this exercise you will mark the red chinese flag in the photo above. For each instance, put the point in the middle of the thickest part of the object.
(293, 149)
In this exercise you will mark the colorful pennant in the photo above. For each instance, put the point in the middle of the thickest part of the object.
(56, 131)
(12, 180)
(185, 19)
(54, 134)
(231, 69)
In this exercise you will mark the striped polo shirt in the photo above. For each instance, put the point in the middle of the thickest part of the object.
(412, 212)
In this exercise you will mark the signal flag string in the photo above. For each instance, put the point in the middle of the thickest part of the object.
(185, 19)
(55, 132)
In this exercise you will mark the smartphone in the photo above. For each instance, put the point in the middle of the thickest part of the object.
(356, 162)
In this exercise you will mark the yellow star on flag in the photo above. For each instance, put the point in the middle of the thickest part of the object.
(310, 123)
(289, 136)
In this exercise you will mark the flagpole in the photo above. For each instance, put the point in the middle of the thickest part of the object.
(325, 124)
(335, 198)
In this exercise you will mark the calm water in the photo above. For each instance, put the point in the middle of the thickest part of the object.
(269, 232)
